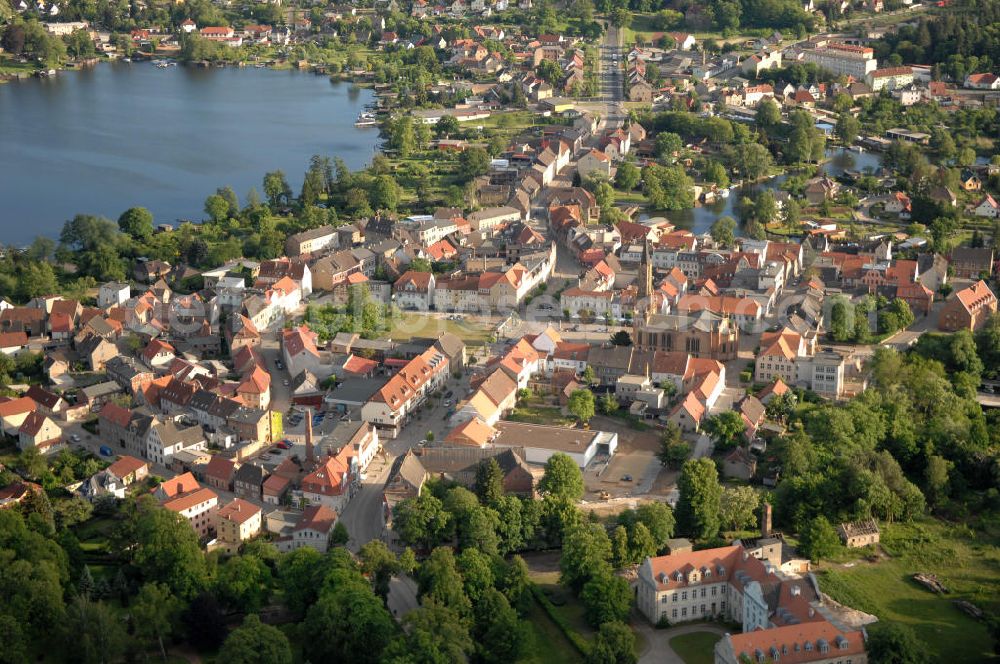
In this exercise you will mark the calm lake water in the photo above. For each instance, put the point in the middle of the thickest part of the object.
(104, 139)
(700, 219)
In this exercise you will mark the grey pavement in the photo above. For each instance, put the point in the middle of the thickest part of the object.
(658, 650)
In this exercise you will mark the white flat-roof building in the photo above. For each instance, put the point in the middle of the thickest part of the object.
(541, 441)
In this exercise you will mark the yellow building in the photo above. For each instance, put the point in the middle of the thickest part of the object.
(237, 522)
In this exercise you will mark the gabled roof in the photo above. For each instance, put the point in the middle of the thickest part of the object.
(220, 468)
(473, 432)
(177, 485)
(125, 466)
(318, 518)
(238, 511)
(112, 412)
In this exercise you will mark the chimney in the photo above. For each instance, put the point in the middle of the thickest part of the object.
(310, 453)
(765, 520)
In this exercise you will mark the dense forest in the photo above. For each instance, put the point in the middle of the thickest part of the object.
(962, 40)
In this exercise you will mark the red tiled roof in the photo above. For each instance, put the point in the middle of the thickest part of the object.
(115, 414)
(13, 340)
(178, 485)
(238, 511)
(188, 500)
(126, 465)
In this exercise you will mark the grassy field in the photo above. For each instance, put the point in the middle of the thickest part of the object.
(571, 611)
(10, 65)
(540, 415)
(965, 559)
(696, 647)
(545, 643)
(415, 324)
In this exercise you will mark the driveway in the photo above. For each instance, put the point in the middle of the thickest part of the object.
(658, 650)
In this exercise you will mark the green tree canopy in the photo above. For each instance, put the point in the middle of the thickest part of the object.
(562, 477)
(253, 642)
(698, 506)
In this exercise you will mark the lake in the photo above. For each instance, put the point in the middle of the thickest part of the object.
(700, 219)
(104, 139)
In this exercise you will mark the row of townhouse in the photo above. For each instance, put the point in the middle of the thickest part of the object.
(391, 406)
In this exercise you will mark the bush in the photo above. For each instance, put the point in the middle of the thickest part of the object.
(746, 376)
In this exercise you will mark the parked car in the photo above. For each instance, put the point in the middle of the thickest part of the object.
(75, 438)
(106, 451)
(447, 403)
(283, 444)
(626, 478)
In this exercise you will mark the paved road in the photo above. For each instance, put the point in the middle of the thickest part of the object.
(612, 80)
(658, 650)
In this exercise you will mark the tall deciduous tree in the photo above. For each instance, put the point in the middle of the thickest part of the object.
(615, 644)
(562, 478)
(354, 623)
(136, 222)
(738, 509)
(723, 231)
(585, 554)
(700, 495)
(253, 642)
(818, 539)
(155, 611)
(606, 598)
(581, 405)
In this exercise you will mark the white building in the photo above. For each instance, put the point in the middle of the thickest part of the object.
(847, 59)
(113, 294)
(541, 441)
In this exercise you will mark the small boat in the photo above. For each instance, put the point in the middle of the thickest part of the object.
(366, 120)
(724, 193)
(126, 59)
(260, 65)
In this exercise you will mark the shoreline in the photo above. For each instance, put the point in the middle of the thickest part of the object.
(77, 65)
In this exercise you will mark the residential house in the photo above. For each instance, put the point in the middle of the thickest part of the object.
(113, 294)
(971, 262)
(39, 431)
(197, 505)
(968, 308)
(594, 161)
(219, 473)
(248, 482)
(313, 529)
(237, 522)
(414, 290)
(166, 438)
(988, 208)
(331, 484)
(389, 408)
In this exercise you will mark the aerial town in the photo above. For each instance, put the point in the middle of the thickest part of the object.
(647, 333)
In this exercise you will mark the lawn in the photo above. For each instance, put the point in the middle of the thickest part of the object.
(571, 612)
(696, 647)
(12, 66)
(415, 324)
(966, 560)
(544, 642)
(540, 415)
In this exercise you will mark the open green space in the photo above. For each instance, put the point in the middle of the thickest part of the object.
(965, 559)
(696, 647)
(533, 414)
(411, 324)
(545, 643)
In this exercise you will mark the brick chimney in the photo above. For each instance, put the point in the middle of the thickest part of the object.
(310, 452)
(765, 520)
